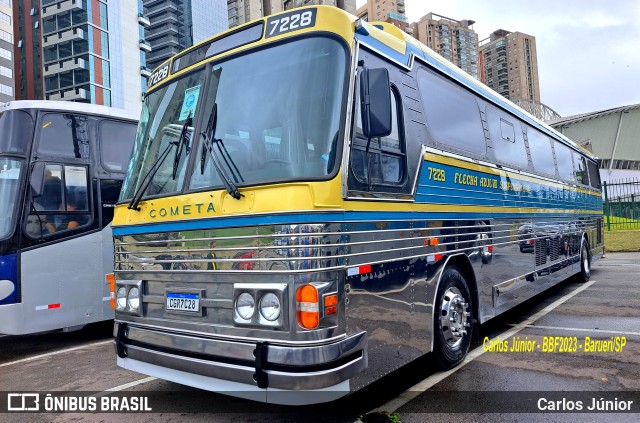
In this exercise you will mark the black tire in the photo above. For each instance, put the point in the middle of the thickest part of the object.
(452, 338)
(585, 263)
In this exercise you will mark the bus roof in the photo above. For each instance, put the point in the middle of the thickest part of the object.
(69, 106)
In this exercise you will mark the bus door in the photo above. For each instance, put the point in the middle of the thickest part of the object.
(384, 167)
(62, 268)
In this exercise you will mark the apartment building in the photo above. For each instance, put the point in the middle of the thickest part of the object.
(79, 50)
(454, 40)
(511, 65)
(76, 51)
(7, 83)
(27, 50)
(178, 24)
(127, 54)
(347, 5)
(242, 11)
(381, 10)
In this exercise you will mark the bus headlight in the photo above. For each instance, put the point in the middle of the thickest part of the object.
(260, 305)
(245, 306)
(270, 306)
(121, 298)
(133, 299)
(129, 297)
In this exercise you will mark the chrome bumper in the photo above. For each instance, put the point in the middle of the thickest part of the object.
(258, 364)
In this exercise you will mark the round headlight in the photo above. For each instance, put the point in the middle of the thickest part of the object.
(245, 305)
(270, 307)
(121, 298)
(133, 299)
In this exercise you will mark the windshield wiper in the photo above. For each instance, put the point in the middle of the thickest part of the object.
(182, 141)
(207, 146)
(137, 196)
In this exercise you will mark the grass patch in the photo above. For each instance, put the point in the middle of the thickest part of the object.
(620, 223)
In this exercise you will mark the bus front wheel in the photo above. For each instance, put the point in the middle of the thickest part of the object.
(453, 320)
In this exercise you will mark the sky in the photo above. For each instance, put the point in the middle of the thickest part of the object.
(588, 50)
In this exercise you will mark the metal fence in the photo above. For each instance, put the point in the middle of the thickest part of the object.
(621, 204)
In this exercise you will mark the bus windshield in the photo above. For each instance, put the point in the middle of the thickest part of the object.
(10, 170)
(271, 115)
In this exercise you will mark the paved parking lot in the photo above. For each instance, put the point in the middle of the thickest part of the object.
(605, 309)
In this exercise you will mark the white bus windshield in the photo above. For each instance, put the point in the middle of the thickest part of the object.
(277, 117)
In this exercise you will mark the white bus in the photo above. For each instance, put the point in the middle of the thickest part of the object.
(61, 169)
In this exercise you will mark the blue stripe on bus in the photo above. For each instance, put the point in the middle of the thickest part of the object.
(8, 279)
(484, 189)
(328, 217)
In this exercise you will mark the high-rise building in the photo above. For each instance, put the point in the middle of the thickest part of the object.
(242, 11)
(6, 51)
(381, 10)
(76, 51)
(346, 5)
(127, 53)
(178, 24)
(80, 50)
(403, 23)
(454, 40)
(511, 65)
(27, 50)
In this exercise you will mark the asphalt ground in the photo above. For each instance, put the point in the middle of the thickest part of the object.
(491, 385)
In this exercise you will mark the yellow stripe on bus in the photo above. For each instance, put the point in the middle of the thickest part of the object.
(451, 161)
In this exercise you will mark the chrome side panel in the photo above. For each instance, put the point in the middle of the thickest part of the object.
(386, 274)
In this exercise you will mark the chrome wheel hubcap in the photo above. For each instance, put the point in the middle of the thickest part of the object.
(454, 317)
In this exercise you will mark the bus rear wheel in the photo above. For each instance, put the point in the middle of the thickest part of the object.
(585, 263)
(453, 320)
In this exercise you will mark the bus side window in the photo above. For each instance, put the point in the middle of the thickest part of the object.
(594, 175)
(540, 148)
(507, 139)
(116, 142)
(565, 162)
(63, 204)
(52, 189)
(452, 113)
(64, 134)
(580, 169)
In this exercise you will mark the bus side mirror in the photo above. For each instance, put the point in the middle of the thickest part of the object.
(375, 102)
(37, 179)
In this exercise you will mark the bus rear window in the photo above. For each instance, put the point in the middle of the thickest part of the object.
(594, 174)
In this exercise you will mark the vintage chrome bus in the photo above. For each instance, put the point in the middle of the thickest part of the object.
(61, 169)
(315, 201)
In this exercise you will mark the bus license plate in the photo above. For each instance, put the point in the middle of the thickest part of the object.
(183, 302)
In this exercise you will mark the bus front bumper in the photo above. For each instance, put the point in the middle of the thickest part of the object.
(258, 364)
